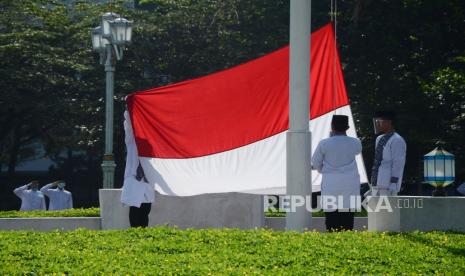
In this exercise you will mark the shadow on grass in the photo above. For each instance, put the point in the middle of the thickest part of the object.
(418, 238)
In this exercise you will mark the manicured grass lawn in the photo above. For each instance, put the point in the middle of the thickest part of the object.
(88, 212)
(230, 251)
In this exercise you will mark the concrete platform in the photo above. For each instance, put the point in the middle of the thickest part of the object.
(231, 210)
(245, 211)
(423, 213)
(49, 224)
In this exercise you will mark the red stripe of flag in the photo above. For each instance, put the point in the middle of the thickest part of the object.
(234, 107)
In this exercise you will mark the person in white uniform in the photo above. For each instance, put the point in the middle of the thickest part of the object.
(31, 197)
(390, 154)
(334, 158)
(60, 198)
(137, 193)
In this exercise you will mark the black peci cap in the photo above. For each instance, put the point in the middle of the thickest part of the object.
(340, 122)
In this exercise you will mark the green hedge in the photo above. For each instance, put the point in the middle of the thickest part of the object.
(95, 212)
(88, 212)
(167, 251)
(281, 213)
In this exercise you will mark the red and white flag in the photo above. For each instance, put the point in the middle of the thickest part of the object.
(226, 132)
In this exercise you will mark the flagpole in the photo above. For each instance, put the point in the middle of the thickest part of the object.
(298, 139)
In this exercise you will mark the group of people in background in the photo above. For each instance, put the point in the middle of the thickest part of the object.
(335, 159)
(34, 199)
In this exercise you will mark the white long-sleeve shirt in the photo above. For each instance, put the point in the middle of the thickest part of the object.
(30, 199)
(337, 151)
(391, 170)
(59, 199)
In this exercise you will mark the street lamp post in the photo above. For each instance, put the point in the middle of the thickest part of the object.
(109, 40)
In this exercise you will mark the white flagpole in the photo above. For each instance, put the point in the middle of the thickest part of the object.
(298, 147)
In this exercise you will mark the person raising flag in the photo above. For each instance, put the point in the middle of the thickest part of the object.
(334, 158)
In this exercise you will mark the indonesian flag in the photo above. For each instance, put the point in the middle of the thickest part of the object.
(226, 132)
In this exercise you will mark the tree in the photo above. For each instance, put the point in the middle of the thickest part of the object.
(42, 60)
(392, 52)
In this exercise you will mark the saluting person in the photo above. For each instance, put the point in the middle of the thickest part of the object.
(60, 198)
(31, 197)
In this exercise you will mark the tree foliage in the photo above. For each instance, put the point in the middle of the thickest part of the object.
(394, 52)
(42, 56)
(405, 54)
